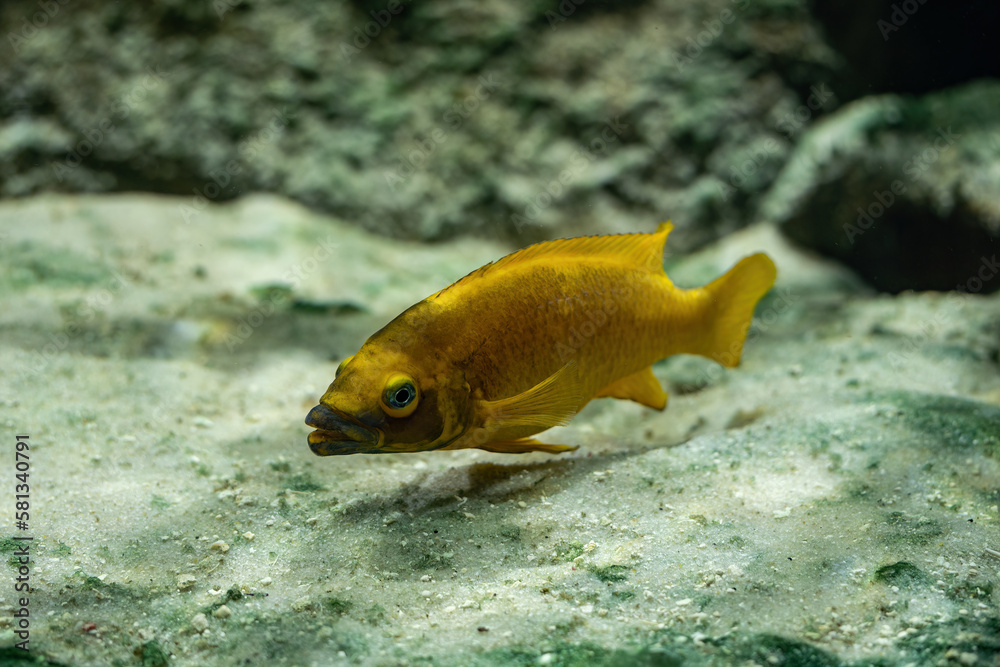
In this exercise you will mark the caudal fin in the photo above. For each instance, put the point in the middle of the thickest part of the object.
(731, 302)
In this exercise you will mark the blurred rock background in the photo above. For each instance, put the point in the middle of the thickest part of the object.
(529, 119)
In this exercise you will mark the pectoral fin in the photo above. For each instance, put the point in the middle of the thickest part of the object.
(551, 402)
(641, 387)
(524, 445)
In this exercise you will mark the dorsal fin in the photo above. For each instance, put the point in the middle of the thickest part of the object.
(633, 250)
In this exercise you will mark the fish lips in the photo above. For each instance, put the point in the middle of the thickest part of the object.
(337, 434)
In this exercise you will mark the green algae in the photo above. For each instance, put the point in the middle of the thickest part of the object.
(304, 483)
(609, 573)
(151, 654)
(567, 552)
(336, 606)
(159, 502)
(584, 654)
(15, 657)
(25, 264)
(950, 421)
(899, 527)
(941, 643)
(903, 574)
(770, 649)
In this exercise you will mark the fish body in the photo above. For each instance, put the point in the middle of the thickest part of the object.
(524, 343)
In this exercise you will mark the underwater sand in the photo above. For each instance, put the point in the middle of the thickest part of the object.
(834, 500)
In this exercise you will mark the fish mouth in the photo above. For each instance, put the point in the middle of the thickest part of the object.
(337, 434)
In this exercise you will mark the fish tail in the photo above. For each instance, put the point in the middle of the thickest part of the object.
(730, 305)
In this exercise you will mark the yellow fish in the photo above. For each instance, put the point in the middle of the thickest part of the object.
(522, 344)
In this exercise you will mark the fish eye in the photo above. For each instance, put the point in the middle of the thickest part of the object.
(342, 364)
(400, 397)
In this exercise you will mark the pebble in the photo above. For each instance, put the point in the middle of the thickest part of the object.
(219, 546)
(199, 623)
(222, 612)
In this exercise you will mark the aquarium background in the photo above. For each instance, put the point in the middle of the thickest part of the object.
(206, 205)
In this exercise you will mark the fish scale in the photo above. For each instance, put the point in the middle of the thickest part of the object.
(522, 344)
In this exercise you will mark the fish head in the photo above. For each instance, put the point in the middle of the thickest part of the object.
(382, 402)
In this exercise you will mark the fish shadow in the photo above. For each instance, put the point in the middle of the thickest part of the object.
(487, 481)
(484, 514)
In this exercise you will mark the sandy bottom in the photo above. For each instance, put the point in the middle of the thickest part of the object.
(832, 501)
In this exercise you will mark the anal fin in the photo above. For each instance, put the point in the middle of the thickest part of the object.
(524, 445)
(641, 387)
